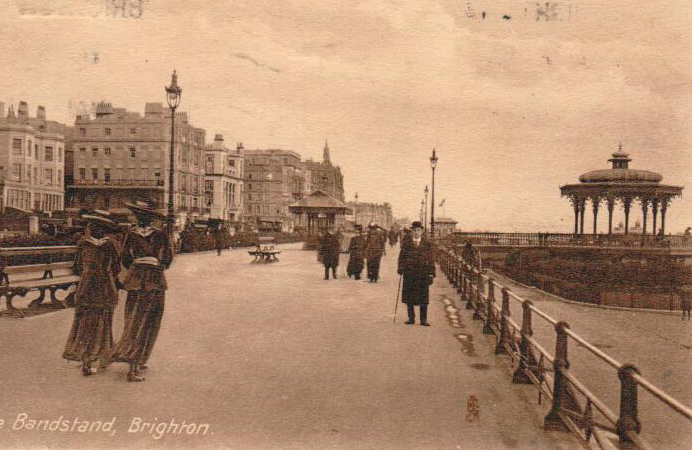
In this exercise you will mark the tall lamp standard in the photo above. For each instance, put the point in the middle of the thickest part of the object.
(433, 164)
(422, 208)
(355, 212)
(425, 214)
(173, 94)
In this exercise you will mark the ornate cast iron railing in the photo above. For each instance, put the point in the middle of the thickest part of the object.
(574, 406)
(572, 240)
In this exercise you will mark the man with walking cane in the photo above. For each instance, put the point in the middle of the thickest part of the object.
(417, 267)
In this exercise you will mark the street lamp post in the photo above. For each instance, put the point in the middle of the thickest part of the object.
(433, 164)
(355, 212)
(173, 94)
(422, 208)
(425, 214)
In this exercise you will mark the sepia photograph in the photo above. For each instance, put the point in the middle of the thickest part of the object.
(345, 225)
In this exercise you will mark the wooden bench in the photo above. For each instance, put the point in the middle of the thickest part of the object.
(267, 253)
(19, 280)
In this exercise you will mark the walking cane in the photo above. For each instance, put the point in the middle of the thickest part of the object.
(396, 305)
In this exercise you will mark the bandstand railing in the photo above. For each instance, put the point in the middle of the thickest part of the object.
(574, 405)
(572, 240)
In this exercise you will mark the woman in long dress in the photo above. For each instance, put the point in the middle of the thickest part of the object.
(97, 263)
(147, 252)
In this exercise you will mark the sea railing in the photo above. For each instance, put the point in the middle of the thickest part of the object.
(574, 405)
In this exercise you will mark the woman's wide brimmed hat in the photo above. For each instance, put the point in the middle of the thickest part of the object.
(144, 208)
(102, 218)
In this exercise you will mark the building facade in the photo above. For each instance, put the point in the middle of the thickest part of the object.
(274, 179)
(119, 155)
(444, 226)
(223, 181)
(325, 176)
(371, 213)
(32, 160)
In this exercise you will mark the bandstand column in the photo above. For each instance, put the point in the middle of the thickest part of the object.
(664, 207)
(654, 214)
(594, 204)
(611, 207)
(582, 207)
(626, 203)
(576, 216)
(645, 211)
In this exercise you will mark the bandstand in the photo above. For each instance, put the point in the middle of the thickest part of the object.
(622, 185)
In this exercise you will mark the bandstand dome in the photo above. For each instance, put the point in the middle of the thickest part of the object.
(622, 185)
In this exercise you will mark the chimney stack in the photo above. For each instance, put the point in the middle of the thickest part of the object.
(218, 138)
(23, 110)
(41, 112)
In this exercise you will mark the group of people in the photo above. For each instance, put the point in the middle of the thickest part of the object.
(416, 264)
(145, 251)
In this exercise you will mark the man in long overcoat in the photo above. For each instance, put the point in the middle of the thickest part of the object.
(330, 249)
(374, 250)
(417, 266)
(356, 250)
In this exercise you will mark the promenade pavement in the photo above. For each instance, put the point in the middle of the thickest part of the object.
(271, 356)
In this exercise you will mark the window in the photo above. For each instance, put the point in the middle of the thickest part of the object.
(231, 162)
(35, 151)
(28, 174)
(107, 175)
(16, 146)
(35, 175)
(107, 131)
(94, 173)
(210, 164)
(60, 154)
(59, 177)
(82, 131)
(82, 173)
(48, 154)
(48, 176)
(133, 131)
(208, 185)
(106, 202)
(82, 149)
(17, 172)
(249, 196)
(249, 176)
(94, 152)
(133, 152)
(107, 151)
(28, 148)
(249, 186)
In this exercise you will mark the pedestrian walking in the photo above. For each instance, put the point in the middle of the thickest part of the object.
(97, 263)
(393, 237)
(374, 249)
(219, 239)
(417, 265)
(329, 252)
(147, 252)
(356, 252)
(686, 302)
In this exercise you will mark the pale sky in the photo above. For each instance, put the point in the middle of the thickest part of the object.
(515, 107)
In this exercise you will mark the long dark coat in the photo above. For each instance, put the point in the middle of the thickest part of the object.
(374, 248)
(356, 255)
(417, 265)
(146, 253)
(91, 336)
(330, 248)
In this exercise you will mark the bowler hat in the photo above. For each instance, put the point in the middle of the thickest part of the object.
(416, 225)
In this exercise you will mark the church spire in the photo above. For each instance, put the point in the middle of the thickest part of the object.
(325, 154)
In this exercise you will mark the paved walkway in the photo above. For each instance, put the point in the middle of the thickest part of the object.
(271, 356)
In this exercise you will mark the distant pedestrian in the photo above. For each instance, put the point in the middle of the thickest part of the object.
(686, 302)
(219, 240)
(374, 249)
(356, 251)
(417, 266)
(97, 263)
(393, 237)
(147, 252)
(329, 252)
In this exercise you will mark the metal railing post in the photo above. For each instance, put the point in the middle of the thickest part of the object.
(468, 291)
(629, 417)
(477, 295)
(504, 340)
(561, 396)
(526, 358)
(490, 308)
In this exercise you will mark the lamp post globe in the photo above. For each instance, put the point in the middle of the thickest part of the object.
(173, 95)
(433, 164)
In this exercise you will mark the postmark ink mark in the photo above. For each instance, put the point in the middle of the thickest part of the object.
(473, 409)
